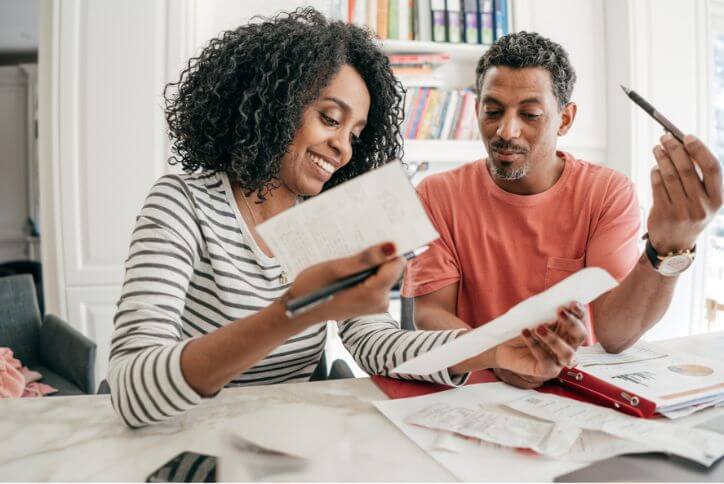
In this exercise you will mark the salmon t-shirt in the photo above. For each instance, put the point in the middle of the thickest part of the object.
(502, 248)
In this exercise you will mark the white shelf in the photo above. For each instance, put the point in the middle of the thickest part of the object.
(458, 52)
(443, 150)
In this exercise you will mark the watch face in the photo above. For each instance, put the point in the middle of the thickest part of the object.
(675, 264)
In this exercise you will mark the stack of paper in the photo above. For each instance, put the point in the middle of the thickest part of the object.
(678, 383)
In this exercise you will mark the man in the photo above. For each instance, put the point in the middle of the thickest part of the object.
(528, 216)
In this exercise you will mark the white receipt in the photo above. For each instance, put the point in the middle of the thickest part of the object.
(584, 286)
(700, 445)
(376, 207)
(497, 428)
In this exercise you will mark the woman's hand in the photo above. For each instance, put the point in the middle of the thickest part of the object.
(534, 357)
(369, 297)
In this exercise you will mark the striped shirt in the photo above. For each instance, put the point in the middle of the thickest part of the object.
(193, 267)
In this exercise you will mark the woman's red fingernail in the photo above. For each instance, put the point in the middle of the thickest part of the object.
(542, 330)
(388, 248)
(526, 333)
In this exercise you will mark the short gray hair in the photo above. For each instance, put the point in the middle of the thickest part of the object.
(529, 49)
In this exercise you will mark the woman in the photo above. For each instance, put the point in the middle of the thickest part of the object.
(268, 114)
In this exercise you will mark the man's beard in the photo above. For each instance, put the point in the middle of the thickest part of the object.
(509, 174)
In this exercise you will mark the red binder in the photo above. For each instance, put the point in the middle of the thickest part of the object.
(571, 383)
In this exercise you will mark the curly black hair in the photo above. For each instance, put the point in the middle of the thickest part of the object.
(237, 106)
(530, 49)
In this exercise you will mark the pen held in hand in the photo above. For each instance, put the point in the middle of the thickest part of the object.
(298, 305)
(658, 117)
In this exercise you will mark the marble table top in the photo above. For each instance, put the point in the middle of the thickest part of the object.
(82, 439)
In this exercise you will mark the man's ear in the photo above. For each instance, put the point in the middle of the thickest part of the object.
(568, 114)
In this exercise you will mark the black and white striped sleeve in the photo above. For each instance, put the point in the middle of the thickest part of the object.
(378, 345)
(144, 373)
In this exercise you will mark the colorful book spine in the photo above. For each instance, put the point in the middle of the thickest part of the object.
(487, 32)
(471, 22)
(454, 22)
(501, 18)
(393, 22)
(403, 17)
(382, 14)
(424, 21)
(372, 15)
(438, 13)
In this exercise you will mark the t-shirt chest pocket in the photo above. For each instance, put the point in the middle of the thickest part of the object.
(558, 268)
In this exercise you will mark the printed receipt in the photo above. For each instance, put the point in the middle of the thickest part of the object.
(584, 286)
(547, 438)
(700, 445)
(376, 207)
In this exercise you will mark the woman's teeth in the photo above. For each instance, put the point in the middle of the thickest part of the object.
(328, 167)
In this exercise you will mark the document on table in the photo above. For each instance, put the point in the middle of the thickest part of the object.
(584, 286)
(700, 445)
(376, 207)
(468, 458)
(676, 382)
(496, 427)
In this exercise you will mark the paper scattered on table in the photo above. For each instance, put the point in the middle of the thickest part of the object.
(471, 459)
(376, 207)
(678, 383)
(584, 286)
(298, 430)
(497, 428)
(700, 445)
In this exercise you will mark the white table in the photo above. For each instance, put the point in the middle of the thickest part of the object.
(81, 438)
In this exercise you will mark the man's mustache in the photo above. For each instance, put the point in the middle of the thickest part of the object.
(507, 146)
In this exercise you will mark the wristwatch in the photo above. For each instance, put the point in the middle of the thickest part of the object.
(671, 264)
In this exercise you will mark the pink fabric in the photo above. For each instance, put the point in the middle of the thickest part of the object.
(17, 380)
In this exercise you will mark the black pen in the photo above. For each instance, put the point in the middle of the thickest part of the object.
(660, 118)
(299, 305)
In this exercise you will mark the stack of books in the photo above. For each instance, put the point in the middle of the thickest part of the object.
(455, 21)
(432, 113)
(418, 69)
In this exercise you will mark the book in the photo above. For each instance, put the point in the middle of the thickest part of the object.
(393, 22)
(423, 16)
(438, 14)
(471, 22)
(403, 17)
(450, 113)
(372, 15)
(418, 59)
(487, 33)
(382, 14)
(500, 18)
(454, 21)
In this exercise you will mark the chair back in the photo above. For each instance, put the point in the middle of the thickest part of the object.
(19, 317)
(407, 313)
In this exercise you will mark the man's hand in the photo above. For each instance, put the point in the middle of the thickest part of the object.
(683, 203)
(531, 359)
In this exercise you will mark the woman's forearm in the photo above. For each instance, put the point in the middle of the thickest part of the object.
(211, 361)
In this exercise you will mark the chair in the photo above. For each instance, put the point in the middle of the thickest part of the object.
(407, 313)
(31, 267)
(64, 356)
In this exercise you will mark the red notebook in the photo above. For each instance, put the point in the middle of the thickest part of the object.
(571, 383)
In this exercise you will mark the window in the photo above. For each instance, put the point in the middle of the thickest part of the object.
(714, 263)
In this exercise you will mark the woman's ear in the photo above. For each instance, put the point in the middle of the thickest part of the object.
(568, 114)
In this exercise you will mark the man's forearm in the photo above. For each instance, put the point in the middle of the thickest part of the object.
(624, 314)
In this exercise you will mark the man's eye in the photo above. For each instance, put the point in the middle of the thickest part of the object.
(329, 121)
(491, 114)
(531, 115)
